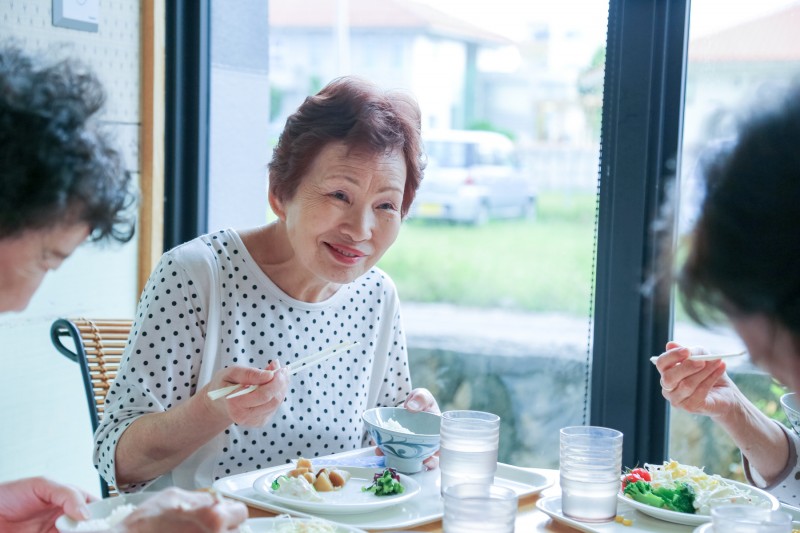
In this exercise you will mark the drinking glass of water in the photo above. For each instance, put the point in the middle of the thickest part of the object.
(468, 447)
(590, 468)
(479, 508)
(750, 519)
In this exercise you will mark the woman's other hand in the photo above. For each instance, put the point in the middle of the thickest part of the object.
(700, 387)
(422, 400)
(33, 504)
(180, 511)
(255, 408)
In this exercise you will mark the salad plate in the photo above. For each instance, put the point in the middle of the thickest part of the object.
(350, 499)
(287, 524)
(760, 498)
(637, 523)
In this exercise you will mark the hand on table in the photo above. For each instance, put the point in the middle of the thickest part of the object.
(255, 408)
(33, 504)
(179, 511)
(700, 387)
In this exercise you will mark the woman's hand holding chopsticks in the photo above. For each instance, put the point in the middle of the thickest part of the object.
(256, 407)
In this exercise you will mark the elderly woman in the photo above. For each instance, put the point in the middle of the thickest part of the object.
(61, 181)
(743, 261)
(235, 307)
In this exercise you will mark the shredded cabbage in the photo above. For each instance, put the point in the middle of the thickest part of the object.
(710, 489)
(304, 526)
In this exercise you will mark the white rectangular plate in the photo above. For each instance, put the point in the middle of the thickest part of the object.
(423, 508)
(641, 522)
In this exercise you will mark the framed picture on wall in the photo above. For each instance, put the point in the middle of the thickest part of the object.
(80, 15)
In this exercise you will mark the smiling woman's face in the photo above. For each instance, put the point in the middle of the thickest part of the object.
(27, 257)
(345, 213)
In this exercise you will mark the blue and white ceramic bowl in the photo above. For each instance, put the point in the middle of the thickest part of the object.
(792, 409)
(404, 451)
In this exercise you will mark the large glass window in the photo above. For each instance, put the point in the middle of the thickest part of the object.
(737, 57)
(495, 264)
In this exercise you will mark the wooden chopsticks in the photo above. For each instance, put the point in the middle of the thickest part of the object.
(301, 364)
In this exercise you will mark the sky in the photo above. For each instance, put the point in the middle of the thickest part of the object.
(709, 16)
(509, 17)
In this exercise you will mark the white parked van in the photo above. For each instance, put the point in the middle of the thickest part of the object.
(471, 177)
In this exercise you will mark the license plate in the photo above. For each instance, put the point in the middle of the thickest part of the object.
(430, 210)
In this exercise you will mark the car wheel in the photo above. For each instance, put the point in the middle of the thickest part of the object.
(481, 215)
(529, 209)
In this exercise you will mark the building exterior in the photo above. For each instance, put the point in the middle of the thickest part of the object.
(396, 43)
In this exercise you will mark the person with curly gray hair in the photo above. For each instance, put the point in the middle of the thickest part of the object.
(60, 179)
(742, 262)
(61, 182)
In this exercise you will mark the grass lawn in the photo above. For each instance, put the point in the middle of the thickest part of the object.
(540, 265)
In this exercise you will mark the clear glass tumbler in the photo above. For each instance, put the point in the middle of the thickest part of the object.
(468, 447)
(749, 519)
(590, 467)
(479, 508)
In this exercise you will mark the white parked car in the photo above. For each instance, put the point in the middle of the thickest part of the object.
(471, 177)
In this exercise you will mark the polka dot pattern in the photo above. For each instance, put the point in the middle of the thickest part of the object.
(208, 306)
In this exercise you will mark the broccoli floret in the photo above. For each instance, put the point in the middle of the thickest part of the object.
(385, 483)
(642, 492)
(680, 499)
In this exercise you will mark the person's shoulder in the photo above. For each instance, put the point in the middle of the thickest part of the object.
(200, 248)
(378, 283)
(186, 252)
(194, 257)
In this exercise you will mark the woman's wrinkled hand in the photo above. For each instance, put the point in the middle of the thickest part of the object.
(700, 387)
(34, 504)
(422, 400)
(255, 408)
(179, 511)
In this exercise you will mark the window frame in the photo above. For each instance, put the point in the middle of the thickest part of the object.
(641, 138)
(188, 63)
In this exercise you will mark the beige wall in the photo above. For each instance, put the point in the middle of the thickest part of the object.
(44, 425)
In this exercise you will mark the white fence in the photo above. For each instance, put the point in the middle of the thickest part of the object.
(562, 167)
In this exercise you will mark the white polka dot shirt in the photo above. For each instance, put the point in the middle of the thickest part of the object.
(208, 306)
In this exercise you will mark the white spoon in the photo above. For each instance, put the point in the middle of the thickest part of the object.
(707, 356)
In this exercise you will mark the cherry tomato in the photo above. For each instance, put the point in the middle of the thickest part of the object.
(634, 475)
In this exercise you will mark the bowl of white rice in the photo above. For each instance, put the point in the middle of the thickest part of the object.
(406, 438)
(104, 514)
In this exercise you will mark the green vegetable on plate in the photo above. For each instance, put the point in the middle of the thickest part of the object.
(680, 498)
(276, 483)
(385, 483)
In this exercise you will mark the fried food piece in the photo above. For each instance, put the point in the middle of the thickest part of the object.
(323, 482)
(338, 478)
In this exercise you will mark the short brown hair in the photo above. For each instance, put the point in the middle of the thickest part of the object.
(358, 113)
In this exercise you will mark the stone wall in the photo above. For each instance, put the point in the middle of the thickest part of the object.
(531, 370)
(533, 395)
